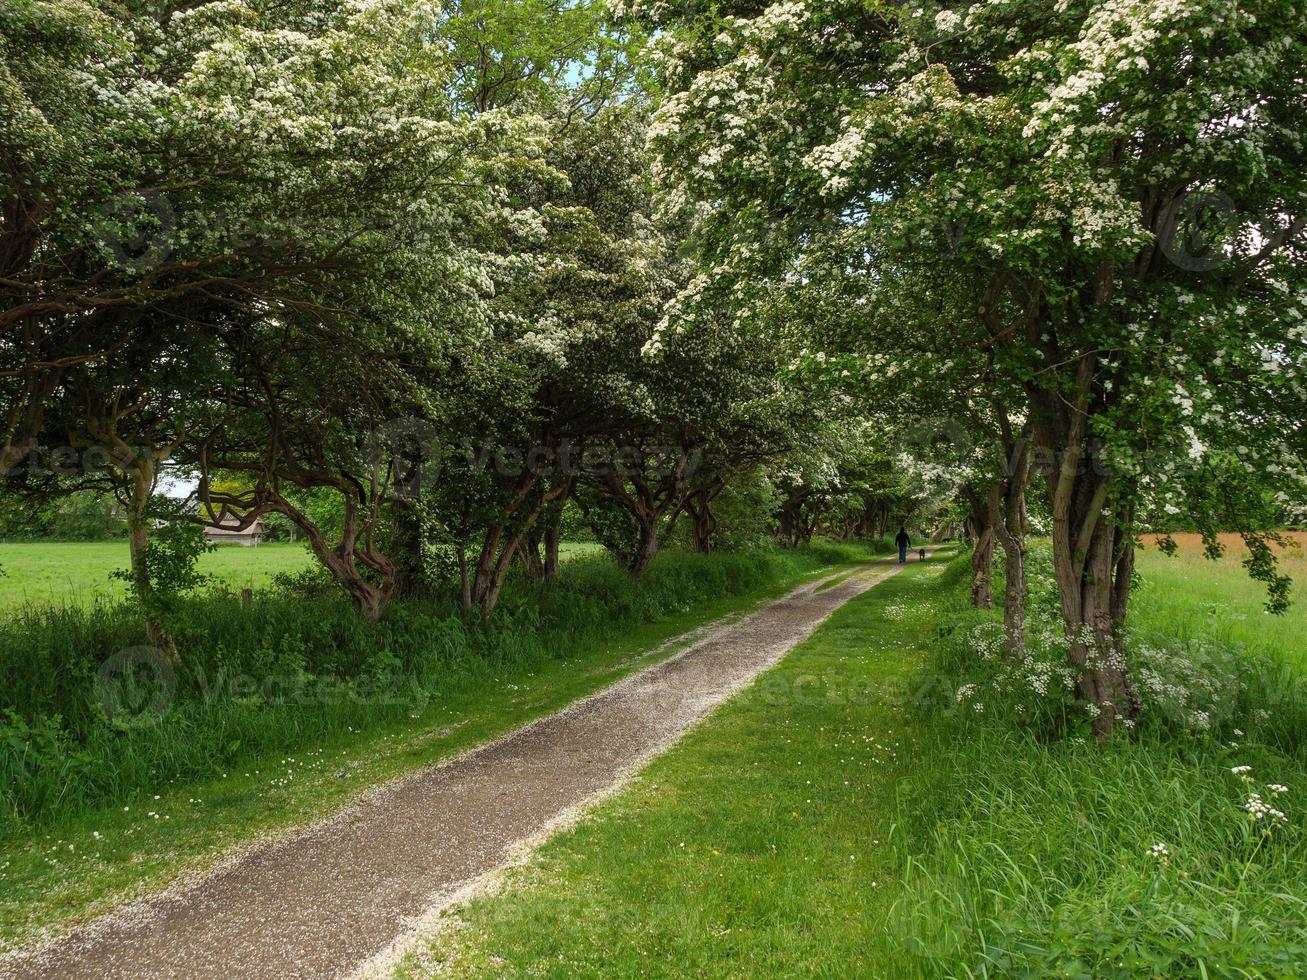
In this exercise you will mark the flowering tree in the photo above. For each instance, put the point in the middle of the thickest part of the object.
(291, 185)
(1117, 181)
(174, 160)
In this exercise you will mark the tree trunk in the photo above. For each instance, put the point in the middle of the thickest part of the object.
(529, 550)
(983, 516)
(464, 579)
(343, 559)
(790, 518)
(410, 562)
(702, 522)
(369, 600)
(647, 549)
(1010, 529)
(1093, 550)
(503, 542)
(1093, 606)
(553, 538)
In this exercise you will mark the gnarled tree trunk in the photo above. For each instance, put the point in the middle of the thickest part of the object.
(553, 538)
(503, 541)
(1093, 550)
(703, 522)
(982, 520)
(1009, 506)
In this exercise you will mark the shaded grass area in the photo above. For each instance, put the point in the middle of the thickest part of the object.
(216, 772)
(840, 820)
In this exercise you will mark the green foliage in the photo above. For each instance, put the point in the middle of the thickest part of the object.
(84, 516)
(611, 525)
(746, 513)
(166, 570)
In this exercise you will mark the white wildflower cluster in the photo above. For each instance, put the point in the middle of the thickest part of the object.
(1030, 680)
(1160, 852)
(1195, 684)
(1260, 810)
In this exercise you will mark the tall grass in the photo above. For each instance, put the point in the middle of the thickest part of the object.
(1029, 851)
(294, 666)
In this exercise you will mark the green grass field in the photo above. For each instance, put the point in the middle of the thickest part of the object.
(822, 824)
(1188, 595)
(79, 572)
(43, 573)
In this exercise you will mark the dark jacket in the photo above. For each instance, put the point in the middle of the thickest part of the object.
(902, 540)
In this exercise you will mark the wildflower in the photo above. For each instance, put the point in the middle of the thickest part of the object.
(1159, 851)
(1259, 810)
(1240, 770)
(1277, 789)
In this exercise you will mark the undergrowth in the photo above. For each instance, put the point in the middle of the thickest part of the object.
(88, 715)
(1178, 850)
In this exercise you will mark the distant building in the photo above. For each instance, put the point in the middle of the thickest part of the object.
(229, 532)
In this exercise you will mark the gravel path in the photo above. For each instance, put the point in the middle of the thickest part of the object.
(329, 899)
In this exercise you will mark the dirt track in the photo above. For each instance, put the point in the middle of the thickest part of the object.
(327, 900)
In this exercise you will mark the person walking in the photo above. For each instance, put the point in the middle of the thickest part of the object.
(902, 540)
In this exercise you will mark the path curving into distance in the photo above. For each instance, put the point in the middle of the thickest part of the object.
(344, 895)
